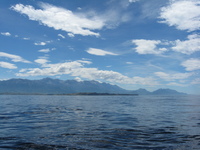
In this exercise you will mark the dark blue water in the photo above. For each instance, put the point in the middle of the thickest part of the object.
(99, 122)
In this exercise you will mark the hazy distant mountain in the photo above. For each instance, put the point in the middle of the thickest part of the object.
(166, 92)
(141, 92)
(56, 86)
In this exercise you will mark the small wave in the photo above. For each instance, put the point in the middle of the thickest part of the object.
(35, 146)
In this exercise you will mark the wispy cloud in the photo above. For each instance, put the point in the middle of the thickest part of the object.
(82, 23)
(176, 84)
(14, 58)
(26, 38)
(62, 19)
(183, 14)
(62, 36)
(99, 52)
(40, 43)
(191, 64)
(6, 33)
(44, 50)
(7, 65)
(172, 77)
(71, 35)
(196, 81)
(132, 1)
(129, 63)
(41, 61)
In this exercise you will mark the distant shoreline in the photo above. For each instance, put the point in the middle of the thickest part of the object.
(99, 94)
(74, 94)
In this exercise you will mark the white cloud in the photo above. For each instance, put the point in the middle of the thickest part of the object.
(41, 61)
(191, 64)
(70, 34)
(62, 36)
(77, 69)
(78, 79)
(44, 50)
(7, 65)
(172, 77)
(26, 38)
(129, 63)
(5, 33)
(4, 79)
(132, 1)
(148, 46)
(99, 52)
(189, 46)
(40, 43)
(14, 58)
(183, 14)
(62, 19)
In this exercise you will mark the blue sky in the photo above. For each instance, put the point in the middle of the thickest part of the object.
(131, 43)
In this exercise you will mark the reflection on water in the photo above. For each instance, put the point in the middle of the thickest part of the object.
(99, 122)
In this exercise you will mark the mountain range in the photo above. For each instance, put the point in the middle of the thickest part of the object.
(56, 86)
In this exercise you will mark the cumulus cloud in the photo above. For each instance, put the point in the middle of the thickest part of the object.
(14, 58)
(44, 50)
(172, 77)
(183, 14)
(51, 69)
(189, 46)
(5, 33)
(62, 19)
(7, 65)
(148, 46)
(191, 64)
(78, 69)
(99, 52)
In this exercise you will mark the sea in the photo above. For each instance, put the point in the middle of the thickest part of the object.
(61, 122)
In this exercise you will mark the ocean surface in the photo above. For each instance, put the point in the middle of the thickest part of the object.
(99, 122)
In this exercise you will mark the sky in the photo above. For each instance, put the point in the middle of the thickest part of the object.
(134, 44)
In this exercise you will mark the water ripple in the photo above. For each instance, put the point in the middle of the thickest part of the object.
(87, 123)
